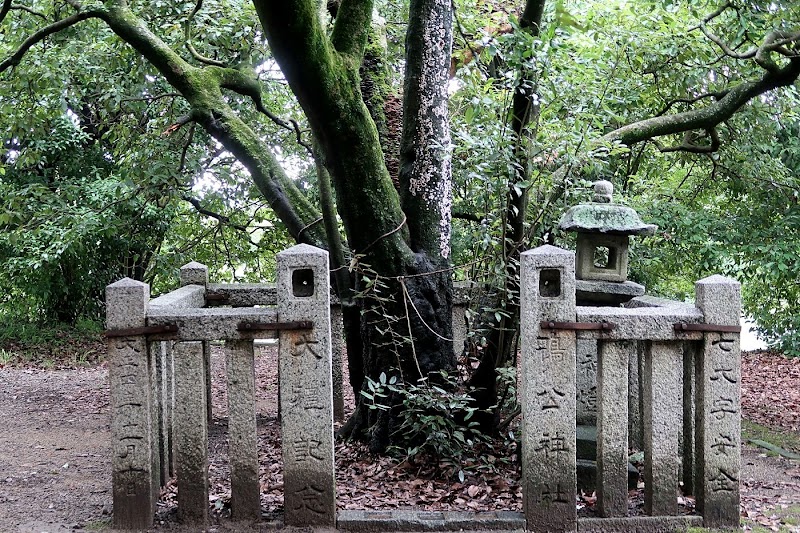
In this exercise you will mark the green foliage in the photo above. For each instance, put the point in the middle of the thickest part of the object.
(598, 66)
(24, 343)
(736, 214)
(70, 227)
(435, 420)
(93, 173)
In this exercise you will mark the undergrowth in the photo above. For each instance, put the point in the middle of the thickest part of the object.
(436, 424)
(31, 344)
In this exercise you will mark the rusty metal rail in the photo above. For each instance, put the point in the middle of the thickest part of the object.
(578, 326)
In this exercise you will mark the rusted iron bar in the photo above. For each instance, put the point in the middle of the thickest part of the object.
(713, 328)
(576, 326)
(274, 326)
(146, 330)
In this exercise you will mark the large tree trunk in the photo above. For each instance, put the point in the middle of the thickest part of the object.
(401, 250)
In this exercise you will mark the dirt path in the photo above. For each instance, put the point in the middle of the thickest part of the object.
(55, 467)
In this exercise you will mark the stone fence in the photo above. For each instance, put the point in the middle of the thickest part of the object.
(690, 375)
(691, 364)
(159, 363)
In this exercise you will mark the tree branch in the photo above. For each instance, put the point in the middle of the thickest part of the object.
(716, 95)
(207, 212)
(4, 10)
(689, 145)
(29, 10)
(463, 215)
(201, 87)
(710, 116)
(351, 27)
(187, 34)
(775, 41)
(240, 82)
(43, 33)
(178, 124)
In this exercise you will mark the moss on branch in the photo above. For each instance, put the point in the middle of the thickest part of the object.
(708, 117)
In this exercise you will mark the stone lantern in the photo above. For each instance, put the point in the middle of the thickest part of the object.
(601, 260)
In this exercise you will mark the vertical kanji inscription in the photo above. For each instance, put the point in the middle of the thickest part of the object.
(548, 390)
(133, 453)
(306, 388)
(718, 413)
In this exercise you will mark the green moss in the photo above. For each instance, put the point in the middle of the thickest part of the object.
(784, 439)
(100, 524)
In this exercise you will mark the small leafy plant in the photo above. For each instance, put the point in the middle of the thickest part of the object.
(434, 421)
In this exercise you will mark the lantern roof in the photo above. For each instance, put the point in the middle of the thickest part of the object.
(603, 216)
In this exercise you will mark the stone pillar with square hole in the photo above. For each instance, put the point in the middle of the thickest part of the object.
(718, 410)
(548, 390)
(134, 454)
(306, 388)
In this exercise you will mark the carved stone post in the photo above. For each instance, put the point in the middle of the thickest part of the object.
(306, 388)
(612, 427)
(132, 447)
(243, 436)
(719, 405)
(191, 433)
(195, 273)
(662, 410)
(548, 390)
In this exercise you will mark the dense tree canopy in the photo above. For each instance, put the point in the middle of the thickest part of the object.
(416, 141)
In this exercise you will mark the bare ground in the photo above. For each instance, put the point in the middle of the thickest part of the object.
(55, 467)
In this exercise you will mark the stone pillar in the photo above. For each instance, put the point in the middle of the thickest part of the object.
(133, 451)
(663, 367)
(207, 379)
(191, 433)
(718, 407)
(612, 427)
(158, 354)
(306, 389)
(337, 349)
(635, 400)
(194, 273)
(243, 437)
(169, 407)
(690, 356)
(460, 329)
(548, 390)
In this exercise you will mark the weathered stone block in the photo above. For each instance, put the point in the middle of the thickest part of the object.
(306, 391)
(134, 479)
(194, 273)
(586, 382)
(612, 427)
(548, 390)
(191, 432)
(662, 422)
(719, 405)
(243, 438)
(614, 263)
(181, 298)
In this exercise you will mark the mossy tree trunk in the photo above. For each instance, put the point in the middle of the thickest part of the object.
(401, 241)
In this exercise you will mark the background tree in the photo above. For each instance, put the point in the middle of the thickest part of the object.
(547, 96)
